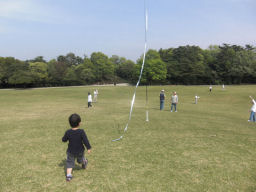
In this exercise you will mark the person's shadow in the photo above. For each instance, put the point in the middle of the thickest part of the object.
(63, 164)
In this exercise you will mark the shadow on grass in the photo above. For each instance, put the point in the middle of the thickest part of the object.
(63, 164)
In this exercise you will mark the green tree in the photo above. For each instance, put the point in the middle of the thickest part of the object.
(38, 59)
(187, 65)
(18, 73)
(123, 68)
(103, 69)
(72, 59)
(70, 76)
(39, 72)
(154, 68)
(210, 57)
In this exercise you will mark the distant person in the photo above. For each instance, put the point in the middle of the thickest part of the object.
(95, 95)
(77, 139)
(162, 98)
(196, 99)
(89, 100)
(253, 110)
(210, 88)
(174, 101)
(223, 86)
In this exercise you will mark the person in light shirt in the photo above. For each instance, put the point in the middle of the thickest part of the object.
(253, 110)
(210, 88)
(196, 99)
(174, 101)
(89, 100)
(95, 95)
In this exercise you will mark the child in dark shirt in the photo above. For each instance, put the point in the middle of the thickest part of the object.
(77, 139)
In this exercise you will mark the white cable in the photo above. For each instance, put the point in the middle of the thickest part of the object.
(141, 71)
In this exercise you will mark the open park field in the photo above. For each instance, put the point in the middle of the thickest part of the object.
(205, 147)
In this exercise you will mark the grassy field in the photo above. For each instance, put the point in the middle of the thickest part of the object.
(205, 147)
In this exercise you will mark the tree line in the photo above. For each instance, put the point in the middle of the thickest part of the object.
(188, 65)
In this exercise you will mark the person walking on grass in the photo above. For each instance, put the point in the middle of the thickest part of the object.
(162, 97)
(253, 110)
(89, 100)
(210, 88)
(95, 95)
(77, 139)
(174, 101)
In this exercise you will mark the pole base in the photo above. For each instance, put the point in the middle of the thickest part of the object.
(147, 116)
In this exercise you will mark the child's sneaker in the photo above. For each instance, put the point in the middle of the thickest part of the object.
(68, 177)
(84, 164)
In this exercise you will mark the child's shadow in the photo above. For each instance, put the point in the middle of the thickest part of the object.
(63, 164)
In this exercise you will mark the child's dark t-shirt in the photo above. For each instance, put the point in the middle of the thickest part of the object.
(76, 140)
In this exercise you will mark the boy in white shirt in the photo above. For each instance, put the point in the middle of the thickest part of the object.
(89, 100)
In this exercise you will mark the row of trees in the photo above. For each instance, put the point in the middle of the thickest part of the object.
(229, 64)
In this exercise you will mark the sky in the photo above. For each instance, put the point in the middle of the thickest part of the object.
(31, 28)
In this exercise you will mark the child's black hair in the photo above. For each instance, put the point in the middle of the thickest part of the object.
(74, 120)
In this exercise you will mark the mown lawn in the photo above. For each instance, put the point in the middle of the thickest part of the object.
(205, 147)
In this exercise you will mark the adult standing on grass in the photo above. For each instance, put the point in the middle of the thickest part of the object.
(95, 95)
(89, 100)
(253, 110)
(77, 139)
(174, 101)
(162, 98)
(196, 99)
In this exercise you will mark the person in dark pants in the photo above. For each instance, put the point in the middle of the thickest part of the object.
(210, 88)
(89, 100)
(162, 97)
(77, 139)
(174, 101)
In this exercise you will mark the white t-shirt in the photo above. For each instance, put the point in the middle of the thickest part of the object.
(89, 98)
(254, 106)
(174, 99)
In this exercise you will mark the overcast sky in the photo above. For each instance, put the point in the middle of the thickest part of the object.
(49, 28)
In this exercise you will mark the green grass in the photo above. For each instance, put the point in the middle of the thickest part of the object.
(205, 147)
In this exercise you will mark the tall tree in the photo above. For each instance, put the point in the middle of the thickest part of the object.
(103, 68)
(154, 69)
(39, 72)
(187, 65)
(18, 73)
